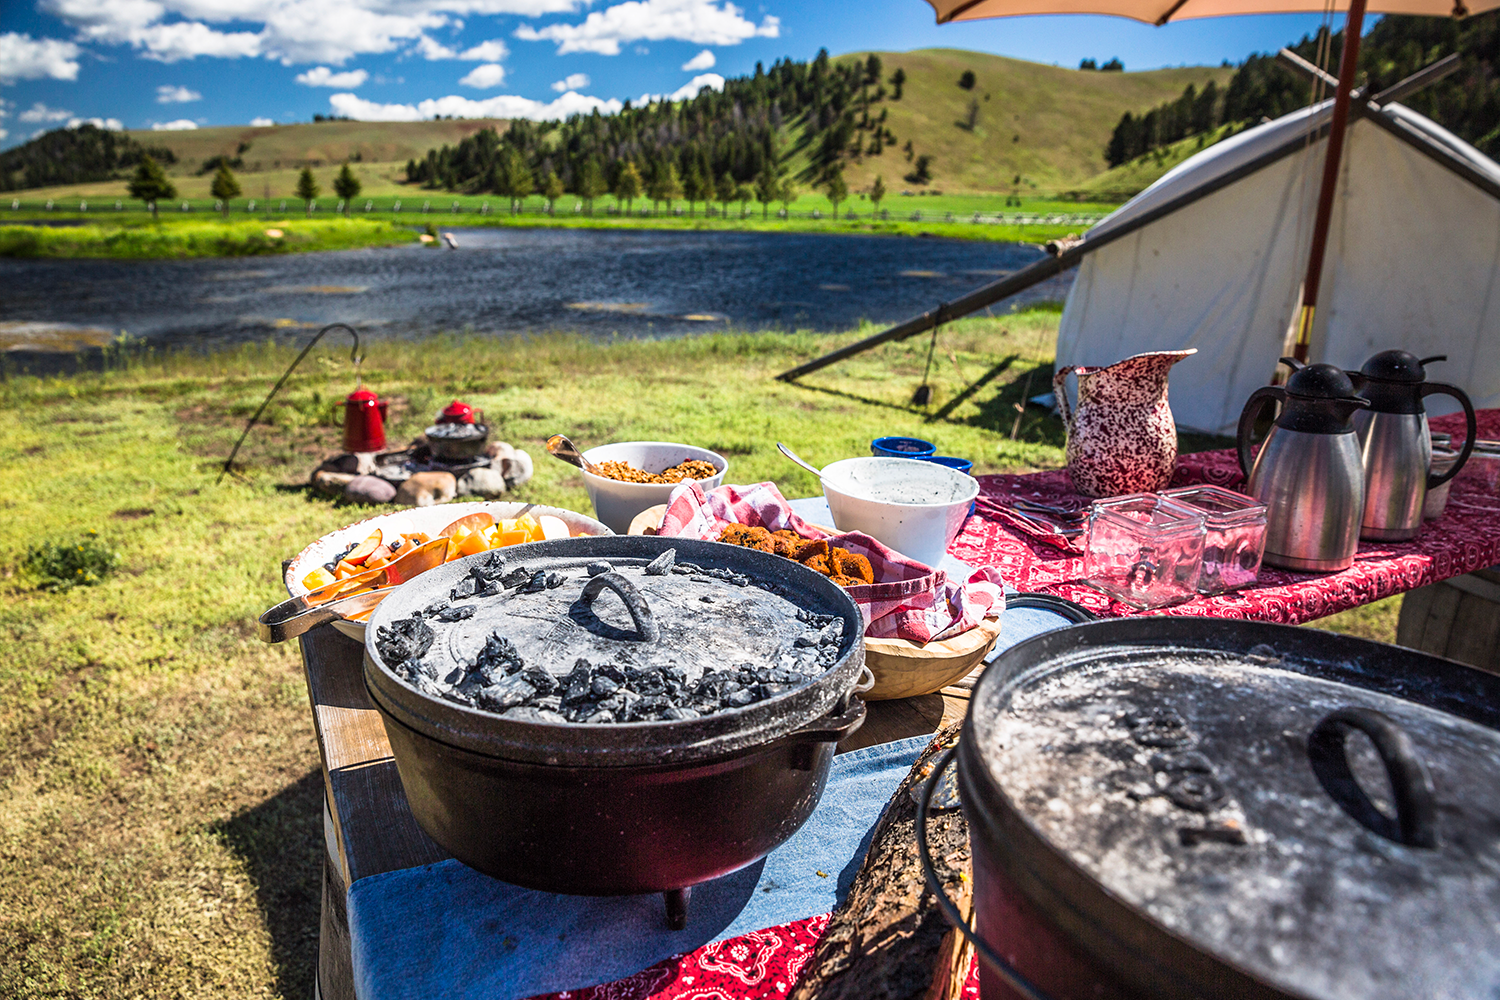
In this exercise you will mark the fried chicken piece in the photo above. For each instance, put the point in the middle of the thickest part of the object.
(809, 549)
(734, 534)
(847, 581)
(846, 563)
(818, 562)
(785, 543)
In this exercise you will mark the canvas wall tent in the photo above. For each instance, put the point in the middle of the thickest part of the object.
(1413, 262)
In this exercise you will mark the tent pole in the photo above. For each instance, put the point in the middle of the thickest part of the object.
(1348, 66)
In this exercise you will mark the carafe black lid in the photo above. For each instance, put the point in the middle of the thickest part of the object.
(1398, 366)
(1320, 382)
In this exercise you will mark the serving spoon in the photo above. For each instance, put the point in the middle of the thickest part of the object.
(558, 446)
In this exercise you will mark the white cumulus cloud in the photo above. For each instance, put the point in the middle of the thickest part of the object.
(110, 124)
(573, 81)
(180, 125)
(291, 31)
(501, 106)
(491, 51)
(39, 112)
(687, 91)
(167, 94)
(262, 122)
(25, 58)
(484, 76)
(699, 21)
(322, 76)
(703, 60)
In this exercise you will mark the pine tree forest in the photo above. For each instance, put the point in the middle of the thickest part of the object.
(684, 149)
(1467, 102)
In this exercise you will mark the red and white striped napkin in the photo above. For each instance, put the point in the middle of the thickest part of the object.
(908, 600)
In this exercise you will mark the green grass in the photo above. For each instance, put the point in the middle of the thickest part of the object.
(160, 832)
(1047, 125)
(139, 238)
(1134, 176)
(129, 231)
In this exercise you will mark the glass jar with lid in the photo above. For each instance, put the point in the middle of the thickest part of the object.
(1144, 550)
(1234, 535)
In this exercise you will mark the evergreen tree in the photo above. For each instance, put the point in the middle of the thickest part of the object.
(347, 186)
(307, 189)
(724, 191)
(628, 186)
(873, 69)
(671, 185)
(835, 188)
(224, 187)
(552, 189)
(150, 184)
(877, 193)
(694, 189)
(898, 80)
(590, 183)
(967, 80)
(786, 194)
(767, 186)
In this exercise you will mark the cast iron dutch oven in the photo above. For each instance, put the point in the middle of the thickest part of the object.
(1174, 807)
(618, 807)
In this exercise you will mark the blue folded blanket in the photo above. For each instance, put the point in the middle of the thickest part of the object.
(445, 930)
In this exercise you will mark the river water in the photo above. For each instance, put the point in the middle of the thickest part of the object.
(629, 283)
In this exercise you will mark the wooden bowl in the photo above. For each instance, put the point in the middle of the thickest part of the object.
(907, 669)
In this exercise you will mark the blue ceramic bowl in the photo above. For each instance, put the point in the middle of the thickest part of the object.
(901, 447)
(961, 464)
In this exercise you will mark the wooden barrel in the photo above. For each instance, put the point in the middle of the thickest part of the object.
(1458, 618)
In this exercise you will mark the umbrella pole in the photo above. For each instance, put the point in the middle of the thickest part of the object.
(1348, 64)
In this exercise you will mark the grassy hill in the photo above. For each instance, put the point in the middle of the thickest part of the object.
(1047, 124)
(313, 144)
(1134, 176)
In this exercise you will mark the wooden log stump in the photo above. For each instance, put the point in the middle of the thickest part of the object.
(889, 941)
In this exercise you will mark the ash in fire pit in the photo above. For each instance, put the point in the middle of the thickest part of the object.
(601, 643)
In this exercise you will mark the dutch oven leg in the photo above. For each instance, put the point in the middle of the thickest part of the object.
(677, 907)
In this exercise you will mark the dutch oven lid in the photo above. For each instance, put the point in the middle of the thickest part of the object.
(613, 650)
(1198, 776)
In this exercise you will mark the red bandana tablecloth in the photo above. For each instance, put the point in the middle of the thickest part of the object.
(1464, 539)
(763, 965)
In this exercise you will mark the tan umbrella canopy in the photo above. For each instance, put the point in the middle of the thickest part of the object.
(1159, 12)
(1162, 11)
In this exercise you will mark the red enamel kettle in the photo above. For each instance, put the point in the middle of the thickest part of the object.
(364, 422)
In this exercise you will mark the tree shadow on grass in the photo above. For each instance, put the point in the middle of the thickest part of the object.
(280, 842)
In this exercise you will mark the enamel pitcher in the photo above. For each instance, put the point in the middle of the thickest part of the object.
(1121, 435)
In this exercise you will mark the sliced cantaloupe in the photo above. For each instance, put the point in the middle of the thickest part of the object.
(513, 532)
(319, 577)
(552, 527)
(471, 522)
(345, 569)
(455, 541)
(474, 542)
(363, 550)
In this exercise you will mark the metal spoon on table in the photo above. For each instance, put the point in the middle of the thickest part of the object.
(841, 485)
(558, 446)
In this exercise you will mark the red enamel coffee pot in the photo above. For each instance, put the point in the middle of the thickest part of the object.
(364, 421)
(456, 412)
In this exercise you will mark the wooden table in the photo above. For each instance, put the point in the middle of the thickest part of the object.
(368, 825)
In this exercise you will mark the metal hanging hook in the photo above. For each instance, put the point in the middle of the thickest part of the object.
(355, 358)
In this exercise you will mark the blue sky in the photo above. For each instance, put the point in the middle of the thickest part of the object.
(157, 63)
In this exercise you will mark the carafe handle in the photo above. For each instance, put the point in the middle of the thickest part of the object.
(1248, 415)
(1439, 389)
(1060, 394)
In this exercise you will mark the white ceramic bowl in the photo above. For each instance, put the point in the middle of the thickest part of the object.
(916, 508)
(617, 502)
(429, 519)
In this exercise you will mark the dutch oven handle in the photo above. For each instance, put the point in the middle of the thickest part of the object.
(1470, 425)
(1007, 972)
(635, 603)
(1411, 784)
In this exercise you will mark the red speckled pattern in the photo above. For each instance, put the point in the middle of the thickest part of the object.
(1464, 539)
(1121, 436)
(763, 965)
